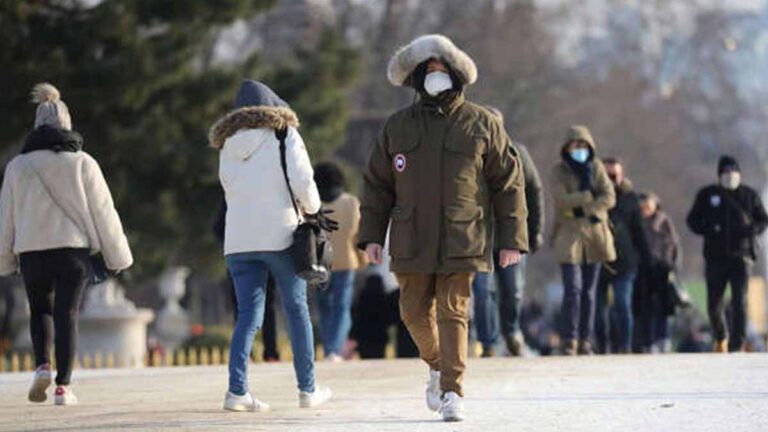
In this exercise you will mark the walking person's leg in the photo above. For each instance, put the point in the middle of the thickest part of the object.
(716, 278)
(485, 325)
(324, 301)
(249, 275)
(269, 328)
(602, 322)
(452, 292)
(510, 287)
(293, 293)
(38, 282)
(622, 289)
(739, 278)
(341, 290)
(419, 314)
(571, 308)
(590, 273)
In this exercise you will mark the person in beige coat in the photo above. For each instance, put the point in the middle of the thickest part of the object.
(55, 211)
(335, 302)
(582, 236)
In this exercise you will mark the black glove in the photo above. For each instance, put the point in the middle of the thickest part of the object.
(535, 241)
(578, 212)
(322, 220)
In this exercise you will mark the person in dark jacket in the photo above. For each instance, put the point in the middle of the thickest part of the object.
(510, 281)
(655, 300)
(729, 216)
(631, 250)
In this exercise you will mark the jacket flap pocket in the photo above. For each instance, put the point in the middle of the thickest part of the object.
(403, 146)
(402, 213)
(466, 145)
(464, 214)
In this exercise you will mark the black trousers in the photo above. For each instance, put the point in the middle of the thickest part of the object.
(55, 280)
(719, 274)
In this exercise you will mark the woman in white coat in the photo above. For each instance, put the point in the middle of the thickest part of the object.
(55, 211)
(258, 232)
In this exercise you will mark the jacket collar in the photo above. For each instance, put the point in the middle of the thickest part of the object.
(443, 104)
(252, 117)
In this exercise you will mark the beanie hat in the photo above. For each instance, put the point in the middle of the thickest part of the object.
(51, 110)
(727, 162)
(330, 181)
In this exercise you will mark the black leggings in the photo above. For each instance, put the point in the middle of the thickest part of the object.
(55, 280)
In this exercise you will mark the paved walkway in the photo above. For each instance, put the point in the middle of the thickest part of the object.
(629, 393)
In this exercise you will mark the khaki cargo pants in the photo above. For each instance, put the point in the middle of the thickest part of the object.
(434, 308)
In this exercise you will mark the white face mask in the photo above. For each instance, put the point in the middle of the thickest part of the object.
(437, 82)
(730, 180)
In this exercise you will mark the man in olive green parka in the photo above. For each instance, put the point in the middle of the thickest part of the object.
(437, 167)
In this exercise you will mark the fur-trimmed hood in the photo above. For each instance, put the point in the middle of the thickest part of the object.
(423, 48)
(253, 117)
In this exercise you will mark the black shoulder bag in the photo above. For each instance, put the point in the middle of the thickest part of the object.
(311, 251)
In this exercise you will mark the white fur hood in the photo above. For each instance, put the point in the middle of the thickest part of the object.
(423, 48)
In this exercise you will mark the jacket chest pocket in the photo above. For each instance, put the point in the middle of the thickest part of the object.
(402, 154)
(402, 234)
(465, 234)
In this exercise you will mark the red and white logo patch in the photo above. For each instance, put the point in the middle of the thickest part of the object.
(400, 162)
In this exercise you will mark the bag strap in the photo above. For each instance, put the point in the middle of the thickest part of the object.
(281, 135)
(69, 216)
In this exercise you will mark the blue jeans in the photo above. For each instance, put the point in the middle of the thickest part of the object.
(249, 273)
(578, 311)
(510, 283)
(485, 310)
(335, 307)
(619, 319)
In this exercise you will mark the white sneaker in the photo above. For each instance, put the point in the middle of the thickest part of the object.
(334, 358)
(246, 402)
(40, 383)
(433, 390)
(320, 396)
(64, 396)
(452, 407)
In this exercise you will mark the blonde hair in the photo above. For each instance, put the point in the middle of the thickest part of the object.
(51, 110)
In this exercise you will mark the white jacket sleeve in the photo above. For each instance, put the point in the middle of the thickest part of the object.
(8, 261)
(301, 174)
(114, 244)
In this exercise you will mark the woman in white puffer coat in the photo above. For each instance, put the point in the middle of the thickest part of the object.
(259, 226)
(55, 211)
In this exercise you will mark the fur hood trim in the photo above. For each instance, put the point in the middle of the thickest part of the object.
(252, 117)
(423, 48)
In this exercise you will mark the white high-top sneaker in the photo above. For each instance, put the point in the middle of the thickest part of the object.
(433, 390)
(40, 383)
(452, 407)
(246, 402)
(320, 396)
(64, 396)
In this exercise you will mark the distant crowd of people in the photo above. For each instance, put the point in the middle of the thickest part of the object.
(450, 207)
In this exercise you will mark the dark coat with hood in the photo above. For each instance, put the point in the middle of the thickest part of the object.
(437, 167)
(629, 234)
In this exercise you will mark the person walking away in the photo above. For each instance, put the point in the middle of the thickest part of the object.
(55, 212)
(632, 253)
(335, 302)
(438, 170)
(258, 232)
(582, 236)
(730, 216)
(657, 302)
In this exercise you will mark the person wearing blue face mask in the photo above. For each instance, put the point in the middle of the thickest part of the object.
(582, 237)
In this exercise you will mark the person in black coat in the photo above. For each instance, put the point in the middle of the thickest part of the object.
(729, 216)
(633, 253)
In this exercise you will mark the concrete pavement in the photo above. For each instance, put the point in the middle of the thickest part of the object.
(621, 393)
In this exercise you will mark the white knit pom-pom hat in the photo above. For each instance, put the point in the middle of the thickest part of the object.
(51, 110)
